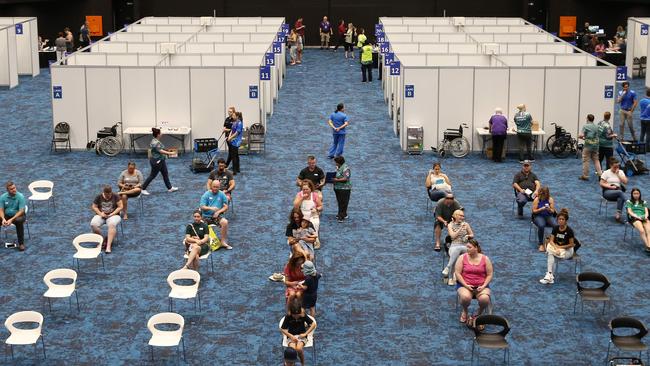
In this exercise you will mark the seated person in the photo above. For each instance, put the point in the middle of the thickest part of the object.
(214, 205)
(130, 184)
(460, 233)
(106, 207)
(613, 181)
(224, 176)
(637, 215)
(290, 357)
(306, 236)
(543, 210)
(314, 174)
(296, 327)
(560, 245)
(437, 183)
(293, 278)
(295, 219)
(12, 211)
(526, 185)
(473, 272)
(197, 241)
(443, 212)
(310, 204)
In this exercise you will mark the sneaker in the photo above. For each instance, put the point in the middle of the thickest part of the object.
(445, 272)
(172, 189)
(338, 219)
(451, 281)
(145, 193)
(317, 244)
(548, 279)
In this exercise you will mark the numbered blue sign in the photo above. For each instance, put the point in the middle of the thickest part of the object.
(381, 39)
(379, 29)
(281, 38)
(269, 59)
(384, 48)
(19, 29)
(277, 47)
(395, 68)
(609, 91)
(285, 28)
(621, 73)
(644, 29)
(265, 72)
(409, 91)
(57, 92)
(253, 91)
(389, 58)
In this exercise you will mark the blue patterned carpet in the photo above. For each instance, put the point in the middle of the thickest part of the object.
(381, 301)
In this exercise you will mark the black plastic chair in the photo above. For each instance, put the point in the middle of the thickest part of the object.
(631, 343)
(591, 293)
(61, 135)
(491, 340)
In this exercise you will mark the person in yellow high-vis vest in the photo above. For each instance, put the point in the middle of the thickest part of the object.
(366, 62)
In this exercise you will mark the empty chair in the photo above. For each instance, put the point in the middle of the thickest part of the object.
(166, 338)
(591, 293)
(21, 336)
(61, 135)
(55, 290)
(491, 340)
(184, 291)
(627, 342)
(88, 252)
(42, 190)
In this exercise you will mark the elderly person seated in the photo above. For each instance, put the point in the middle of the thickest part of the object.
(560, 245)
(443, 212)
(107, 207)
(526, 185)
(225, 177)
(214, 205)
(130, 184)
(637, 215)
(473, 272)
(543, 214)
(613, 181)
(437, 183)
(460, 233)
(197, 241)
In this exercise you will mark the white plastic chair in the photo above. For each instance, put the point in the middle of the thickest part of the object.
(60, 291)
(88, 253)
(310, 339)
(203, 257)
(22, 337)
(166, 338)
(184, 292)
(42, 190)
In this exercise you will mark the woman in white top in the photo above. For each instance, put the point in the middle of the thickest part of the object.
(308, 202)
(613, 181)
(130, 183)
(437, 183)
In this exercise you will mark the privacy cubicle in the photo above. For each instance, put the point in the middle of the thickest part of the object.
(144, 84)
(637, 45)
(18, 49)
(446, 89)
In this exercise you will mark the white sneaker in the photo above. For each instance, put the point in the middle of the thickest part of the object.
(445, 272)
(451, 281)
(172, 189)
(144, 192)
(548, 279)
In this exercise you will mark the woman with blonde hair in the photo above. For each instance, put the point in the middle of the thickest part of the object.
(460, 233)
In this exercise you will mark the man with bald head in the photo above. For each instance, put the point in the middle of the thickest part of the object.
(214, 205)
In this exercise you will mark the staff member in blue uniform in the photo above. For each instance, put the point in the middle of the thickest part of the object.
(628, 102)
(338, 121)
(234, 141)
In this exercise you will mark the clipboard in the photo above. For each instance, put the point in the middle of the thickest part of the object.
(329, 177)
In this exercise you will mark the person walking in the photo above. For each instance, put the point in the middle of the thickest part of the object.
(158, 162)
(342, 187)
(300, 30)
(524, 123)
(498, 129)
(628, 102)
(338, 121)
(644, 109)
(234, 141)
(325, 33)
(366, 62)
(590, 149)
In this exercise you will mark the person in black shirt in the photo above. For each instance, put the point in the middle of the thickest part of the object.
(297, 326)
(224, 176)
(560, 245)
(526, 186)
(197, 238)
(310, 287)
(313, 173)
(227, 128)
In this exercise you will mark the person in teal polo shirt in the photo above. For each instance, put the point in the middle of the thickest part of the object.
(12, 211)
(524, 123)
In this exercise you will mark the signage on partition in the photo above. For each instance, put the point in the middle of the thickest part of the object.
(409, 91)
(379, 29)
(265, 72)
(621, 73)
(277, 47)
(19, 29)
(285, 28)
(269, 59)
(281, 38)
(57, 92)
(644, 29)
(253, 91)
(384, 47)
(395, 68)
(389, 58)
(609, 91)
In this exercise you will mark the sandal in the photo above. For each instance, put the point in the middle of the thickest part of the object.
(437, 247)
(463, 317)
(225, 245)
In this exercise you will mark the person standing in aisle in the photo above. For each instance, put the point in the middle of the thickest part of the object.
(234, 140)
(524, 123)
(158, 162)
(325, 33)
(605, 136)
(338, 121)
(69, 40)
(61, 46)
(342, 187)
(590, 134)
(340, 33)
(644, 109)
(300, 30)
(84, 36)
(628, 102)
(227, 128)
(349, 40)
(366, 61)
(361, 40)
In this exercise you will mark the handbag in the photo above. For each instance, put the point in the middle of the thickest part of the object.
(215, 243)
(554, 250)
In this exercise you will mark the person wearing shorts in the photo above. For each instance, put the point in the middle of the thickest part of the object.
(197, 241)
(214, 205)
(107, 207)
(130, 184)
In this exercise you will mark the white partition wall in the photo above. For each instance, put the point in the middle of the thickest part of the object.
(637, 45)
(26, 43)
(8, 63)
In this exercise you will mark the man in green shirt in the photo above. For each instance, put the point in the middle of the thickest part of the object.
(605, 136)
(366, 61)
(12, 211)
(590, 133)
(524, 123)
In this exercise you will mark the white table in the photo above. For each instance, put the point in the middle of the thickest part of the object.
(177, 133)
(485, 134)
